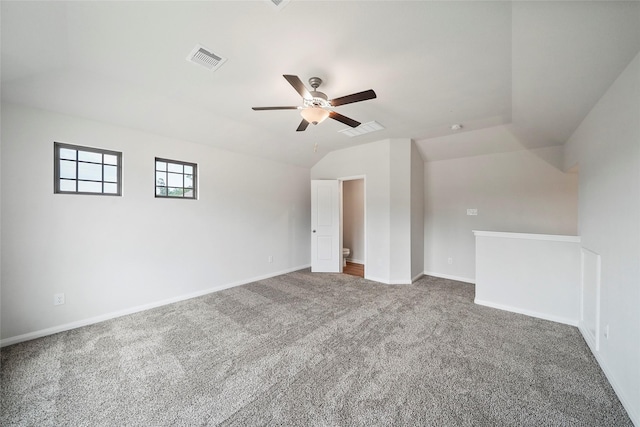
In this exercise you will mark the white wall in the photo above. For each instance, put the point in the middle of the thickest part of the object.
(370, 160)
(417, 213)
(387, 167)
(533, 274)
(353, 219)
(606, 147)
(115, 254)
(1, 287)
(522, 192)
(400, 211)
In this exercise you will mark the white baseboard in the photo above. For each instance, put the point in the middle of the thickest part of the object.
(90, 321)
(393, 282)
(588, 337)
(376, 279)
(632, 411)
(355, 261)
(399, 282)
(545, 316)
(387, 281)
(450, 277)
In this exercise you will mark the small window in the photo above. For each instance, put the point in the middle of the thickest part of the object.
(176, 179)
(86, 170)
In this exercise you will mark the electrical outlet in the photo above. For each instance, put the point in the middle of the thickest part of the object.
(450, 260)
(473, 212)
(270, 259)
(58, 299)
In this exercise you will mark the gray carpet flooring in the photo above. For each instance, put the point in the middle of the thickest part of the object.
(312, 350)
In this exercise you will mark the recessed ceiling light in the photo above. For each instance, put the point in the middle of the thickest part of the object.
(456, 126)
(362, 129)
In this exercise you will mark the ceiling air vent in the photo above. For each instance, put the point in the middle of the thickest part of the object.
(279, 4)
(204, 57)
(362, 129)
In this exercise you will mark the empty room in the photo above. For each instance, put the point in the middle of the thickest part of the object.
(320, 213)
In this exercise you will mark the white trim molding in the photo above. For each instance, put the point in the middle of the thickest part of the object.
(632, 410)
(417, 277)
(590, 259)
(377, 279)
(552, 237)
(108, 316)
(399, 282)
(544, 316)
(450, 277)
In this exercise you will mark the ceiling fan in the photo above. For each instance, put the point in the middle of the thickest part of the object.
(315, 105)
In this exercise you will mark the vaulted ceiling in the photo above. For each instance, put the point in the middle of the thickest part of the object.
(524, 73)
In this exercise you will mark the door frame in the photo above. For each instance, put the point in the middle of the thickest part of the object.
(364, 209)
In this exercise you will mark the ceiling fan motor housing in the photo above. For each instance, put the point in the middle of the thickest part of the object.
(315, 82)
(316, 107)
(319, 99)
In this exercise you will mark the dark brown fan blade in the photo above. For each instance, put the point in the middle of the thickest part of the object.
(346, 120)
(298, 85)
(273, 108)
(355, 97)
(303, 125)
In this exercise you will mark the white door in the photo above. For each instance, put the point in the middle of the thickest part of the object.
(326, 252)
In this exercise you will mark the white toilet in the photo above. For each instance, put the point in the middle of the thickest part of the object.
(345, 254)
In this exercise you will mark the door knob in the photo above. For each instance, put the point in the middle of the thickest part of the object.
(314, 231)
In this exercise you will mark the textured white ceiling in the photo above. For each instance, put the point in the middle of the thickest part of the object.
(532, 68)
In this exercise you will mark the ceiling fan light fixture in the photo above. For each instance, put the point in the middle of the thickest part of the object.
(314, 115)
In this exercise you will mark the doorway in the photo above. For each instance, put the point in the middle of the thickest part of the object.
(353, 226)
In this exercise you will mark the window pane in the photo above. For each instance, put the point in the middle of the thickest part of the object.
(161, 179)
(110, 160)
(175, 179)
(89, 187)
(110, 188)
(88, 156)
(67, 153)
(67, 169)
(89, 171)
(67, 185)
(111, 173)
(175, 192)
(175, 168)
